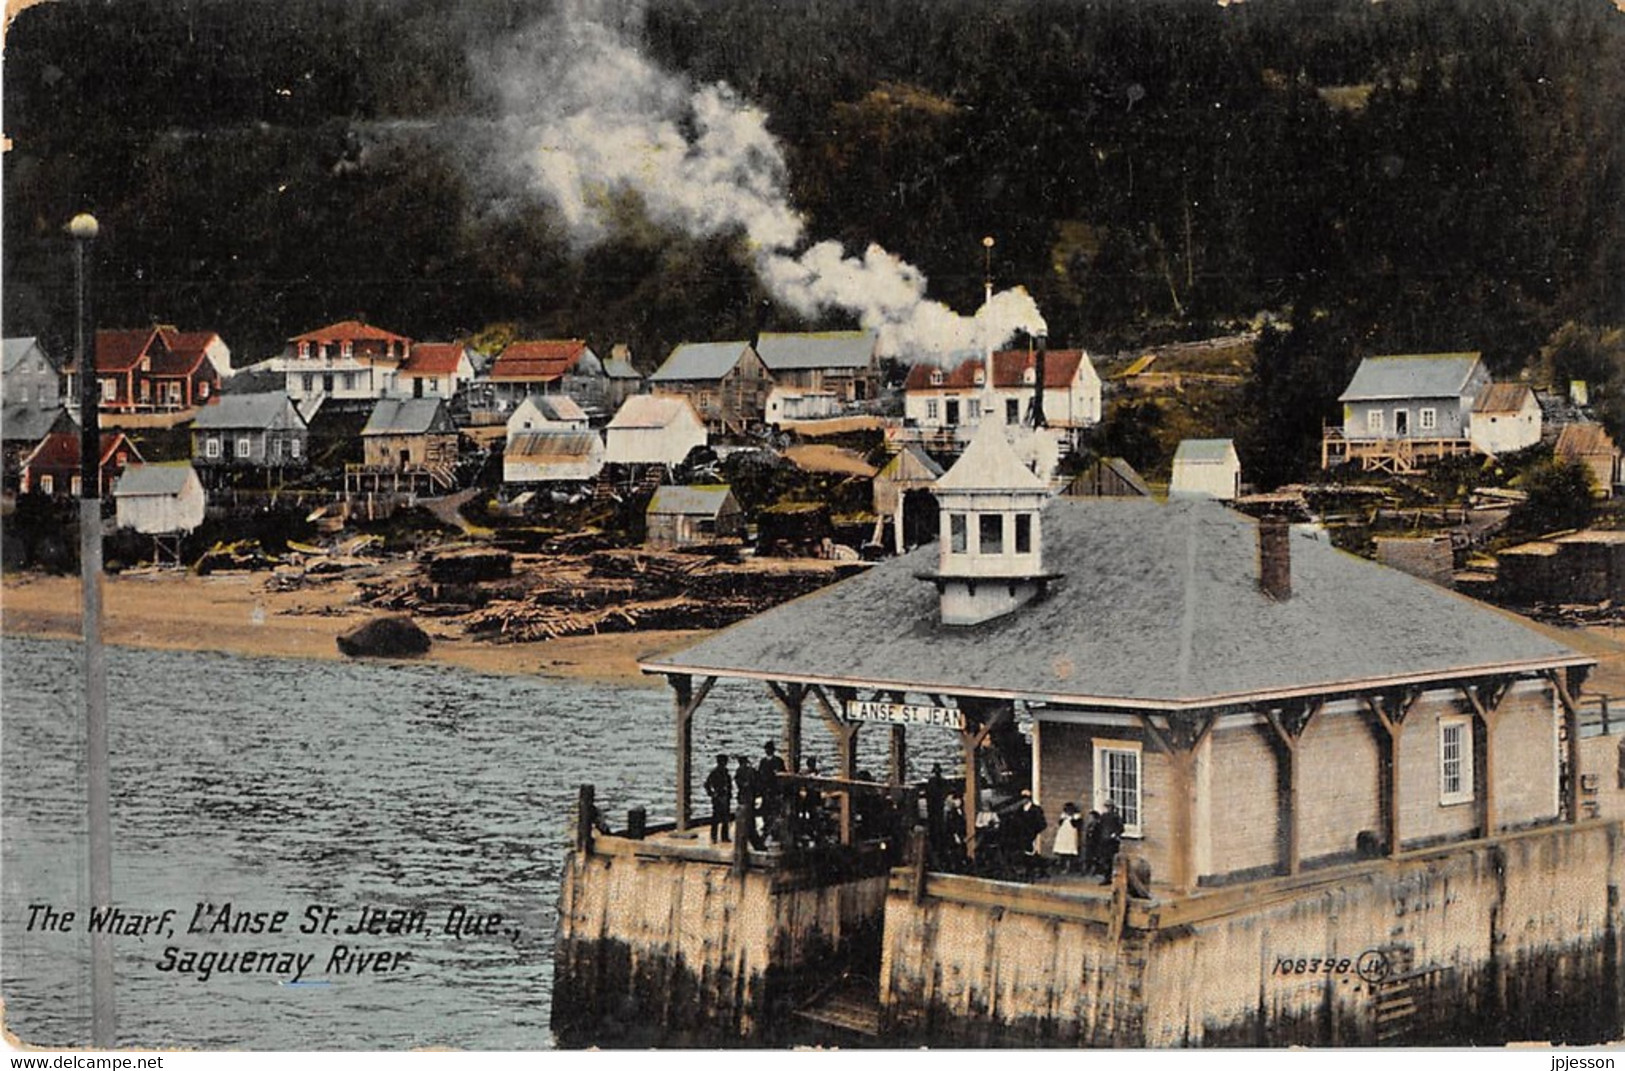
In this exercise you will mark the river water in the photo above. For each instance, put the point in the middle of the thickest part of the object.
(275, 784)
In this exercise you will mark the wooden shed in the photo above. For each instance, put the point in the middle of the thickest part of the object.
(159, 499)
(1592, 446)
(409, 433)
(902, 494)
(1108, 477)
(1206, 468)
(688, 516)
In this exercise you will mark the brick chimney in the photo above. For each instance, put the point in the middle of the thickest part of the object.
(1275, 558)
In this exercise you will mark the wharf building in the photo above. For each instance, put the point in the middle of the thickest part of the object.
(1358, 809)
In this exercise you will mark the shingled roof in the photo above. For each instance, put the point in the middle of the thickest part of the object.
(1432, 375)
(1009, 371)
(1158, 607)
(817, 349)
(700, 361)
(248, 411)
(537, 361)
(433, 359)
(1503, 398)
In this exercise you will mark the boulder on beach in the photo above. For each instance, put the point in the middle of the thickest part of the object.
(385, 637)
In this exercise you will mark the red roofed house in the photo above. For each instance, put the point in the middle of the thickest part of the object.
(552, 366)
(435, 370)
(939, 399)
(53, 467)
(345, 360)
(156, 369)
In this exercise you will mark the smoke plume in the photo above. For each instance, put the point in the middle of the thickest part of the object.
(586, 119)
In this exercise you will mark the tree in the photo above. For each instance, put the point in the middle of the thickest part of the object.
(1561, 496)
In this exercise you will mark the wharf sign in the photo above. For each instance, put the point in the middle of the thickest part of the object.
(903, 714)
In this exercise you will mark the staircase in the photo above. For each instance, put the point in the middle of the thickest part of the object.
(851, 1005)
(1395, 999)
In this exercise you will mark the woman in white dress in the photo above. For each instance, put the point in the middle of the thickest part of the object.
(1066, 843)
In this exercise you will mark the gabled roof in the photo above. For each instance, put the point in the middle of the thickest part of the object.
(433, 359)
(911, 464)
(60, 449)
(816, 349)
(16, 349)
(651, 411)
(168, 479)
(1205, 451)
(350, 331)
(1083, 485)
(700, 360)
(1432, 375)
(700, 500)
(556, 407)
(544, 446)
(30, 424)
(621, 368)
(119, 350)
(1503, 398)
(1158, 606)
(407, 416)
(537, 361)
(247, 411)
(990, 463)
(1583, 440)
(169, 351)
(1009, 371)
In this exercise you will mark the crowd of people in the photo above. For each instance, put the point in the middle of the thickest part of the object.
(1006, 842)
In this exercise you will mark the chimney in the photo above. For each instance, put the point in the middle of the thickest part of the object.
(1038, 382)
(1275, 557)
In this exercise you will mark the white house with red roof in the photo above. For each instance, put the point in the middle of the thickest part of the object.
(156, 369)
(435, 370)
(939, 399)
(347, 360)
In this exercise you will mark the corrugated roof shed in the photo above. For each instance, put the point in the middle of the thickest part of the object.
(817, 349)
(1503, 398)
(1205, 451)
(1434, 375)
(543, 446)
(1159, 605)
(407, 416)
(1108, 476)
(153, 480)
(256, 411)
(700, 500)
(911, 464)
(559, 407)
(700, 361)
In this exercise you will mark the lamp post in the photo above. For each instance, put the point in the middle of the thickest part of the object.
(83, 228)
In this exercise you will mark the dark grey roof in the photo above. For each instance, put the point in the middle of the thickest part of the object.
(404, 416)
(700, 360)
(817, 349)
(1158, 607)
(699, 500)
(620, 368)
(27, 423)
(256, 411)
(1433, 375)
(153, 480)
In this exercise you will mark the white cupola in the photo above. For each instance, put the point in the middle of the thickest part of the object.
(991, 548)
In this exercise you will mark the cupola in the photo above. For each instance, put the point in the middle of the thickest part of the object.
(991, 548)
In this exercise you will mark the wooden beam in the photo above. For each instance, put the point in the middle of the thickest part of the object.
(789, 697)
(1571, 730)
(1392, 720)
(1287, 733)
(898, 753)
(1486, 702)
(1179, 743)
(688, 700)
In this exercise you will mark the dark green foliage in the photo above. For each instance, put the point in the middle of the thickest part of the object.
(1560, 497)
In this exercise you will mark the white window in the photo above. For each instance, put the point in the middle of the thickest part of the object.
(309, 382)
(293, 447)
(1117, 778)
(304, 350)
(109, 390)
(349, 381)
(245, 446)
(74, 486)
(1373, 420)
(931, 409)
(973, 410)
(1455, 760)
(346, 348)
(936, 377)
(211, 447)
(174, 394)
(47, 484)
(1427, 419)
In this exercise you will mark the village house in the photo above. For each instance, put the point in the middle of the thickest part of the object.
(1505, 419)
(1593, 447)
(951, 401)
(552, 455)
(29, 377)
(1403, 412)
(1206, 468)
(787, 405)
(547, 412)
(155, 369)
(845, 364)
(22, 428)
(434, 370)
(159, 500)
(621, 377)
(250, 432)
(52, 468)
(653, 429)
(411, 437)
(347, 361)
(726, 382)
(550, 366)
(1311, 756)
(693, 516)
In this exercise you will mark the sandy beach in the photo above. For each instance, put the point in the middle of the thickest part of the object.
(234, 613)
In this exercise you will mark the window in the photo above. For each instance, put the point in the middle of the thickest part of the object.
(956, 533)
(203, 390)
(973, 410)
(349, 381)
(47, 484)
(276, 449)
(145, 390)
(293, 448)
(304, 353)
(1455, 760)
(931, 409)
(1117, 778)
(1024, 533)
(211, 447)
(109, 390)
(1427, 419)
(245, 446)
(990, 533)
(309, 383)
(936, 377)
(174, 394)
(1373, 420)
(346, 348)
(1012, 411)
(74, 486)
(980, 376)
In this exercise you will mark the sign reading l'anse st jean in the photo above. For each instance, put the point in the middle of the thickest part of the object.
(903, 714)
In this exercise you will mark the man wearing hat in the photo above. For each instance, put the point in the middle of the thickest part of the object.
(720, 787)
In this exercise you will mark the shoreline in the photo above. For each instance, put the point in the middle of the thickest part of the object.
(233, 613)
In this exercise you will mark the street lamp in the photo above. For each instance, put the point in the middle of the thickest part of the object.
(83, 229)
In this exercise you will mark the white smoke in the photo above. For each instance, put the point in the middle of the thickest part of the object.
(591, 120)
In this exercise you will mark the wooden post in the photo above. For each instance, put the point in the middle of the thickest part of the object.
(1179, 743)
(586, 812)
(1288, 728)
(1486, 702)
(744, 830)
(917, 856)
(1571, 729)
(1389, 714)
(968, 742)
(899, 755)
(687, 699)
(789, 698)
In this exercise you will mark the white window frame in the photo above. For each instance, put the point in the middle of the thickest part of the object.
(1373, 421)
(1131, 802)
(1456, 767)
(211, 447)
(931, 409)
(109, 390)
(293, 448)
(1427, 419)
(47, 484)
(245, 447)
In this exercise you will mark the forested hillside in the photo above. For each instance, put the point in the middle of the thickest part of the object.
(1405, 175)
